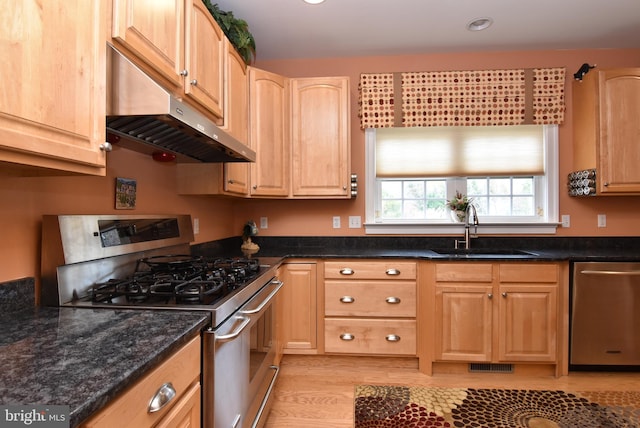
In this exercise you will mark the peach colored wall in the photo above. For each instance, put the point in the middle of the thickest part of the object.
(25, 200)
(293, 218)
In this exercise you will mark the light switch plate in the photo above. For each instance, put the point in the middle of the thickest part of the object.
(566, 220)
(602, 220)
(264, 222)
(355, 222)
(336, 222)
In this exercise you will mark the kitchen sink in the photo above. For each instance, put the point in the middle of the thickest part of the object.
(482, 252)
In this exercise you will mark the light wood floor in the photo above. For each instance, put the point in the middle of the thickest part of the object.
(317, 391)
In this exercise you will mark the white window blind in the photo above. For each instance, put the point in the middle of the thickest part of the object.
(460, 151)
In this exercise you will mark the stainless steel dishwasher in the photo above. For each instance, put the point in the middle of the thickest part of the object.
(605, 314)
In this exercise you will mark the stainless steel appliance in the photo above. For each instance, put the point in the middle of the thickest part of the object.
(605, 314)
(145, 117)
(144, 262)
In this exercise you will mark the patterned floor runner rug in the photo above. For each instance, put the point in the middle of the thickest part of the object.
(417, 407)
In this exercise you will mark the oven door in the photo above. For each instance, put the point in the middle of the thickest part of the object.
(262, 354)
(238, 364)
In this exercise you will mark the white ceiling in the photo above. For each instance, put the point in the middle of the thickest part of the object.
(287, 29)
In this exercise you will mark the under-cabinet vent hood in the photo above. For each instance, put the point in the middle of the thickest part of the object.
(146, 118)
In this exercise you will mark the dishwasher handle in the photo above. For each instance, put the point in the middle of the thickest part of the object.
(611, 272)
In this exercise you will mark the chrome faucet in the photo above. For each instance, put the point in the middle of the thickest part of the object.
(471, 211)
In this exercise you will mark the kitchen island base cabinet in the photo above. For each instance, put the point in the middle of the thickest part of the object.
(182, 371)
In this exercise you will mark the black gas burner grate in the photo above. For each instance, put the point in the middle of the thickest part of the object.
(177, 280)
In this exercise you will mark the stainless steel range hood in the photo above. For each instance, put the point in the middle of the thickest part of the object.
(148, 119)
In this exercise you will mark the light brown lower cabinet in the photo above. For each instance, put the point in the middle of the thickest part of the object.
(370, 336)
(370, 307)
(502, 312)
(182, 370)
(298, 307)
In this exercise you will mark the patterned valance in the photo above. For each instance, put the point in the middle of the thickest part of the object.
(462, 98)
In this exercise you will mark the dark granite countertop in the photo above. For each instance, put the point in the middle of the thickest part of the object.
(85, 357)
(539, 248)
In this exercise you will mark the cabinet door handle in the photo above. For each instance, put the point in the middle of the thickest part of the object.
(393, 272)
(393, 338)
(347, 271)
(347, 299)
(194, 82)
(163, 396)
(392, 300)
(347, 336)
(504, 294)
(184, 73)
(106, 146)
(490, 295)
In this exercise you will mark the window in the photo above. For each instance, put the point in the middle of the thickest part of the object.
(510, 172)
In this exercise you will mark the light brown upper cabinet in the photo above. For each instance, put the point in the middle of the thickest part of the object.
(269, 133)
(606, 129)
(236, 120)
(224, 178)
(178, 43)
(52, 106)
(300, 130)
(320, 142)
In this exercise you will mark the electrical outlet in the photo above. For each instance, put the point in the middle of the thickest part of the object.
(355, 222)
(264, 222)
(336, 222)
(196, 226)
(602, 220)
(566, 220)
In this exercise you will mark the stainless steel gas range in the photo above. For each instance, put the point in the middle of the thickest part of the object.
(145, 263)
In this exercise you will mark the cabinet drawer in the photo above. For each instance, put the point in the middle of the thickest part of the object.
(370, 298)
(529, 272)
(379, 269)
(370, 336)
(182, 369)
(464, 272)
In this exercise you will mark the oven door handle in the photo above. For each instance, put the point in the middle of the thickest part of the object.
(236, 332)
(278, 285)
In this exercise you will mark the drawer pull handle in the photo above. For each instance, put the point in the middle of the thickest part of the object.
(393, 272)
(347, 337)
(393, 338)
(165, 394)
(347, 299)
(347, 271)
(393, 300)
(490, 295)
